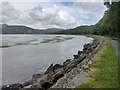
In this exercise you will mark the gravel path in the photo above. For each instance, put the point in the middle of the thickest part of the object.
(115, 45)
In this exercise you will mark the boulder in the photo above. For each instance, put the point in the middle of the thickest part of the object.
(66, 62)
(86, 68)
(45, 78)
(94, 46)
(75, 62)
(36, 76)
(34, 86)
(53, 68)
(70, 66)
(27, 83)
(50, 69)
(46, 85)
(79, 52)
(60, 73)
(81, 58)
(12, 86)
(56, 67)
(75, 56)
(85, 47)
(57, 76)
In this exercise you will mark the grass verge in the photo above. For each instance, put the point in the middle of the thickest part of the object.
(105, 69)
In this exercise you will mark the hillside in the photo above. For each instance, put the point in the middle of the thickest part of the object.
(108, 25)
(16, 29)
(78, 30)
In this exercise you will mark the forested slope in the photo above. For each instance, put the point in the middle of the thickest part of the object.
(109, 25)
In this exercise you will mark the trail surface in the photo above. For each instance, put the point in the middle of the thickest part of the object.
(115, 45)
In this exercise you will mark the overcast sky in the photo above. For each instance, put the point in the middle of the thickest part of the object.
(49, 14)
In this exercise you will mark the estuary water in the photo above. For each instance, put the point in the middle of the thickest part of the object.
(24, 55)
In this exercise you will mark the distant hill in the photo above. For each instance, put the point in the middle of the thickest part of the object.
(78, 30)
(108, 25)
(50, 31)
(16, 29)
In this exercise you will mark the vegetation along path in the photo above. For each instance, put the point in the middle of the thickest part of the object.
(104, 72)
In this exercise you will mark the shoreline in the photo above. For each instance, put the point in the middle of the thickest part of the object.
(79, 74)
(55, 73)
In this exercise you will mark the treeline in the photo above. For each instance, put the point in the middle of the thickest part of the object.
(108, 25)
(78, 30)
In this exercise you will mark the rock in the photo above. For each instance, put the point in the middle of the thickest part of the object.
(86, 68)
(74, 63)
(67, 62)
(29, 86)
(57, 76)
(12, 86)
(45, 78)
(34, 86)
(5, 87)
(46, 85)
(70, 67)
(56, 67)
(79, 52)
(80, 59)
(75, 56)
(53, 68)
(94, 46)
(60, 73)
(50, 69)
(90, 62)
(41, 81)
(36, 76)
(27, 83)
(85, 47)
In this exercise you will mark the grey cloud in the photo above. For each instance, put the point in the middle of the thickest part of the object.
(49, 15)
(8, 13)
(46, 17)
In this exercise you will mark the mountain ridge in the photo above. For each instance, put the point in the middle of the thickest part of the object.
(21, 29)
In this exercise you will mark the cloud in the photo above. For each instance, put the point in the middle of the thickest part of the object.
(54, 14)
(9, 13)
(53, 0)
(89, 5)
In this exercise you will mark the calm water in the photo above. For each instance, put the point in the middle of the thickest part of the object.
(29, 54)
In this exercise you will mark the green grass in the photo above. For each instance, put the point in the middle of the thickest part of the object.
(106, 69)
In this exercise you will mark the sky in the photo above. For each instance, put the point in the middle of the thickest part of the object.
(42, 14)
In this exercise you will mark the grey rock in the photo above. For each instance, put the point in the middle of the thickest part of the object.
(79, 52)
(12, 86)
(46, 85)
(50, 69)
(27, 83)
(36, 76)
(67, 62)
(56, 67)
(75, 56)
(57, 76)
